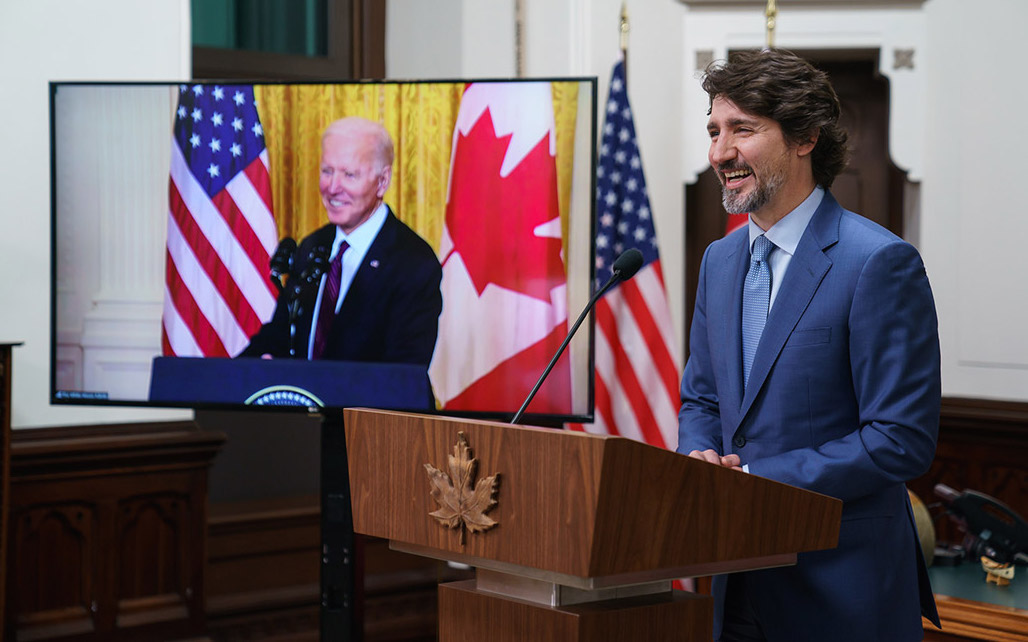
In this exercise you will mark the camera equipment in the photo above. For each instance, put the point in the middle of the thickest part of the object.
(993, 529)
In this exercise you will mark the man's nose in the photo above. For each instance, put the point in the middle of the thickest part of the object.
(721, 150)
(335, 183)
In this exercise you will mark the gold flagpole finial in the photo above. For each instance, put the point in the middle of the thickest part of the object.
(623, 30)
(771, 13)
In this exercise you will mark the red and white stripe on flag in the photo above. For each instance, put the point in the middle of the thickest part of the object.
(504, 279)
(637, 371)
(221, 225)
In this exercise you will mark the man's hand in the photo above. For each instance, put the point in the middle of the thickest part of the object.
(711, 456)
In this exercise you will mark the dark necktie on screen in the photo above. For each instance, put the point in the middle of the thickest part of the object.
(756, 298)
(329, 297)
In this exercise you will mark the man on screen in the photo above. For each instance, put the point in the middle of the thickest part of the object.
(814, 361)
(379, 298)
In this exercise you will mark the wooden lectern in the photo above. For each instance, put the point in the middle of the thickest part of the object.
(589, 530)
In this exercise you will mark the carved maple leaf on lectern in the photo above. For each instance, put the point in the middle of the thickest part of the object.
(462, 503)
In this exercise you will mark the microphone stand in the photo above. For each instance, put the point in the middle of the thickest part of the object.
(310, 275)
(294, 312)
(614, 279)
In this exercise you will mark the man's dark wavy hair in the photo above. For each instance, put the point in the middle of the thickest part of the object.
(779, 85)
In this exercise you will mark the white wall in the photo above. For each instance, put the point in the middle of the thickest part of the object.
(40, 41)
(974, 223)
(449, 39)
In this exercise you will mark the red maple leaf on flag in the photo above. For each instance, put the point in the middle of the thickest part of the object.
(492, 219)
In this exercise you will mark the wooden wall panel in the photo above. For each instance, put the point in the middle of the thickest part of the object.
(262, 579)
(55, 540)
(5, 466)
(108, 532)
(983, 446)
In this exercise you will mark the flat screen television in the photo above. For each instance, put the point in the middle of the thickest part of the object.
(171, 201)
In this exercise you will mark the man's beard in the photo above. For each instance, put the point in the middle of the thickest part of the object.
(765, 190)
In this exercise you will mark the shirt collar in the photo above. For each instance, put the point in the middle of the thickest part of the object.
(361, 238)
(786, 233)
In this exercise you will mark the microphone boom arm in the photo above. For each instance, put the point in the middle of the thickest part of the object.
(614, 278)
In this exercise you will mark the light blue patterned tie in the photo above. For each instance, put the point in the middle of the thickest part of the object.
(756, 296)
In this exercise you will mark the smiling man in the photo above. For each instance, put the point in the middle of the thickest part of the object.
(814, 361)
(379, 298)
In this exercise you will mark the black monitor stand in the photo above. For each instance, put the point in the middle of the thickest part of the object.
(342, 555)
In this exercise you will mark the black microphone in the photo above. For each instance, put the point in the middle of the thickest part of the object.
(317, 264)
(624, 268)
(281, 263)
(626, 265)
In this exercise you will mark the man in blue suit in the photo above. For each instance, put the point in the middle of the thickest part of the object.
(843, 389)
(384, 305)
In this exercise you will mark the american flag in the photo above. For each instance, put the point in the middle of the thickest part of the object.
(221, 224)
(735, 221)
(637, 367)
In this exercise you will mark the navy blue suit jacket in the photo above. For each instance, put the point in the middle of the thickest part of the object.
(844, 399)
(390, 313)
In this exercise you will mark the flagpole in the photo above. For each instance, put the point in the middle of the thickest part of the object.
(771, 14)
(623, 38)
(519, 39)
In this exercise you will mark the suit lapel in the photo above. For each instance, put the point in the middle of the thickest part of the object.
(378, 253)
(807, 270)
(725, 310)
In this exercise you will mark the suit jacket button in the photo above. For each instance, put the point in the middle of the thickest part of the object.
(738, 441)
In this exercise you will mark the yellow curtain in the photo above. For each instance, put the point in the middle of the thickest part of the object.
(419, 116)
(565, 115)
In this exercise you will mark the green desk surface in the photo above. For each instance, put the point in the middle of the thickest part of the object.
(967, 581)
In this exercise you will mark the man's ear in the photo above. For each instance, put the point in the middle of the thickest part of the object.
(807, 146)
(383, 181)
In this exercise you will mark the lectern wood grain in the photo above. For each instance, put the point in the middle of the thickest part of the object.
(467, 614)
(577, 504)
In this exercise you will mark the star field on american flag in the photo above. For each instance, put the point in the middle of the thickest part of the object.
(623, 205)
(219, 132)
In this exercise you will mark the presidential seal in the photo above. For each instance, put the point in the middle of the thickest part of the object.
(284, 396)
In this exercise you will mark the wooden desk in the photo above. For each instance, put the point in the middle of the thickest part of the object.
(970, 609)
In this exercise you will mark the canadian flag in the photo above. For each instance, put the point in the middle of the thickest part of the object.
(504, 279)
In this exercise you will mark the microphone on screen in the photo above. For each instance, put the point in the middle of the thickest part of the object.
(310, 276)
(624, 268)
(317, 265)
(281, 263)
